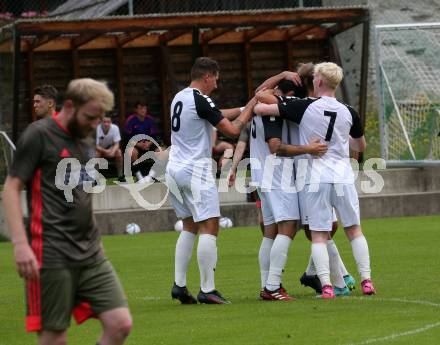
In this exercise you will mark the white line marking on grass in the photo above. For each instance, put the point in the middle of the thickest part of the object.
(151, 298)
(398, 335)
(401, 300)
(402, 334)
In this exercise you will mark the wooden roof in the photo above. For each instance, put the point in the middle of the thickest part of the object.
(296, 24)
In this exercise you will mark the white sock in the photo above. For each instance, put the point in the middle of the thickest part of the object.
(362, 257)
(207, 259)
(335, 271)
(139, 175)
(322, 264)
(311, 270)
(184, 248)
(264, 259)
(342, 267)
(278, 258)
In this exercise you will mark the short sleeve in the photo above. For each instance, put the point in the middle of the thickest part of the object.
(128, 128)
(116, 134)
(356, 130)
(294, 109)
(273, 127)
(28, 154)
(98, 134)
(206, 109)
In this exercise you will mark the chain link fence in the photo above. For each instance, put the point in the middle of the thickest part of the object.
(13, 9)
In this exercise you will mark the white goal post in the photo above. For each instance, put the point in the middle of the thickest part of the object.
(408, 85)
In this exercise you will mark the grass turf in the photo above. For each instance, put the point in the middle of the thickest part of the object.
(406, 310)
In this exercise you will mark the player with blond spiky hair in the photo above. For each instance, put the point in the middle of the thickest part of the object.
(329, 178)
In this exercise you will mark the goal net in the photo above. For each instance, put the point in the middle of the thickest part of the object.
(7, 149)
(408, 81)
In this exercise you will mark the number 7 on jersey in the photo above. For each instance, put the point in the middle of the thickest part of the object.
(331, 125)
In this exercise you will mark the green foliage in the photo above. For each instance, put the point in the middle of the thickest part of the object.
(404, 255)
(372, 132)
(3, 238)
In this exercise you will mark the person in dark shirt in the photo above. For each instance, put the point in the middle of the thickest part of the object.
(140, 123)
(60, 255)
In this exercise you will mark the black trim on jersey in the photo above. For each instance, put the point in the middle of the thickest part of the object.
(206, 108)
(294, 109)
(356, 130)
(286, 98)
(273, 127)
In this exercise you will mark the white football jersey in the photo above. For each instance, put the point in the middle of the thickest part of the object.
(332, 122)
(283, 167)
(107, 140)
(258, 150)
(193, 115)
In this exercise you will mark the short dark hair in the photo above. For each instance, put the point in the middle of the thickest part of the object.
(202, 66)
(47, 92)
(140, 103)
(287, 85)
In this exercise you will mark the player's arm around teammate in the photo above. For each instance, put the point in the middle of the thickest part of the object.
(276, 146)
(233, 128)
(271, 82)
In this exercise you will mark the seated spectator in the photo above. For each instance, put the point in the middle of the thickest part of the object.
(45, 100)
(140, 123)
(107, 144)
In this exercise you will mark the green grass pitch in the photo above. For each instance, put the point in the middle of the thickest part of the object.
(405, 263)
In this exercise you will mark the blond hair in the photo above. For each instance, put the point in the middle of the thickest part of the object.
(331, 74)
(81, 91)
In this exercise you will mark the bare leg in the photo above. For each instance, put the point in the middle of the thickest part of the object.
(116, 326)
(52, 338)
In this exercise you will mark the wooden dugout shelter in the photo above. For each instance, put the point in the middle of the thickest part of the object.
(151, 55)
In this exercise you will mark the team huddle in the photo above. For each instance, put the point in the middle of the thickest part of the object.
(294, 121)
(293, 124)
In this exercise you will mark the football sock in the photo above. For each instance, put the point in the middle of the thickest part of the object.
(207, 259)
(184, 248)
(152, 174)
(138, 175)
(278, 258)
(264, 259)
(359, 247)
(335, 271)
(310, 270)
(322, 264)
(342, 267)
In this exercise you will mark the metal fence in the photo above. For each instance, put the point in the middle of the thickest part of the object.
(13, 9)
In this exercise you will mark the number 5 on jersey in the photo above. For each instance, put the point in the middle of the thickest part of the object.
(175, 119)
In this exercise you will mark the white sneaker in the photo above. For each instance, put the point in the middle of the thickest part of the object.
(139, 175)
(146, 179)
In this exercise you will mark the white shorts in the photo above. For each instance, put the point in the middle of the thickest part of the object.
(303, 208)
(320, 200)
(278, 206)
(191, 194)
